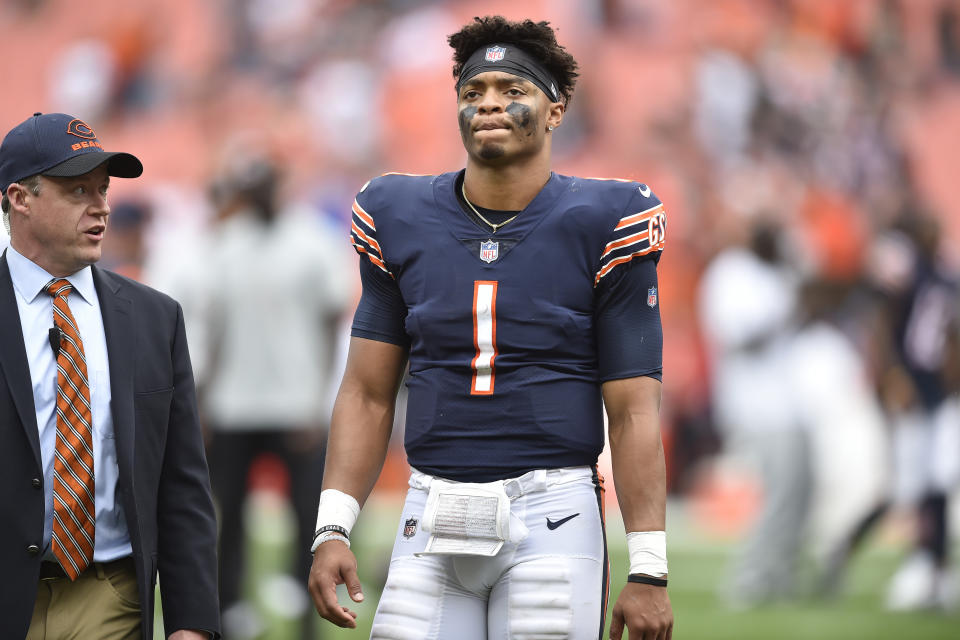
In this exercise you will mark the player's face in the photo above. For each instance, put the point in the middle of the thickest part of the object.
(503, 117)
(63, 231)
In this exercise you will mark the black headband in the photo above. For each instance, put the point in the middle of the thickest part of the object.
(513, 60)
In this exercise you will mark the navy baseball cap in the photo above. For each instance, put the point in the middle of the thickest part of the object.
(56, 144)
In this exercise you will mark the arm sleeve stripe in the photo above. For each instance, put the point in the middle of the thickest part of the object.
(636, 235)
(637, 218)
(366, 243)
(373, 244)
(617, 261)
(375, 260)
(610, 179)
(624, 242)
(364, 217)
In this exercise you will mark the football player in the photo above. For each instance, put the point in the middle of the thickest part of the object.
(525, 302)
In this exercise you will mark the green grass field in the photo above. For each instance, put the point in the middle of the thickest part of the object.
(697, 567)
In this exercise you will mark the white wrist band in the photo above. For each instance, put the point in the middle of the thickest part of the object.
(337, 511)
(326, 536)
(337, 508)
(648, 552)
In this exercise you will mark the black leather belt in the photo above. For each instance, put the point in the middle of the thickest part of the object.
(53, 570)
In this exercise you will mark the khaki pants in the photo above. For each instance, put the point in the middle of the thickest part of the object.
(102, 603)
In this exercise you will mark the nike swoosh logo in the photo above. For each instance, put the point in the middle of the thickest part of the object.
(553, 525)
(644, 191)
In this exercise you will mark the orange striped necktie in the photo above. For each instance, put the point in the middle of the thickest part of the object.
(73, 478)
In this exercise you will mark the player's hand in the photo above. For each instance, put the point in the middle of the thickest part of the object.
(333, 564)
(645, 611)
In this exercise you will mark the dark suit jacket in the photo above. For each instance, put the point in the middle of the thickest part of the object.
(164, 485)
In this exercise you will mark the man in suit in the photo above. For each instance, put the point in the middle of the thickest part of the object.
(103, 481)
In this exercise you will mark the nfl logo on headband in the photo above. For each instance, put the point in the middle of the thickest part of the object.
(495, 54)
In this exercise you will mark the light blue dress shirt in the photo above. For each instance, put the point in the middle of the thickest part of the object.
(112, 539)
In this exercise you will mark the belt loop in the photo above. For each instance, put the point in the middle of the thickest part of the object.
(100, 573)
(514, 487)
(419, 480)
(539, 480)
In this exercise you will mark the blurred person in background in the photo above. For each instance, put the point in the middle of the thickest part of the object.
(125, 251)
(920, 392)
(926, 446)
(748, 304)
(276, 285)
(525, 302)
(917, 384)
(108, 486)
(835, 398)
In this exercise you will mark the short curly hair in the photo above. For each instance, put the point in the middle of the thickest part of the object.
(535, 38)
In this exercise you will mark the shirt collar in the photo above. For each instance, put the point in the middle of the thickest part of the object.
(30, 279)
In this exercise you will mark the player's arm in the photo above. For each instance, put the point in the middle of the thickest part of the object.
(361, 423)
(363, 416)
(639, 474)
(356, 449)
(630, 351)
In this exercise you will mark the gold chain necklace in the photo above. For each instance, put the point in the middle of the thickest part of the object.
(463, 190)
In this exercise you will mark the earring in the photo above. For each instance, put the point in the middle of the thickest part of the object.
(550, 127)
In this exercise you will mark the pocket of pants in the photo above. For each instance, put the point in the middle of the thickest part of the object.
(123, 583)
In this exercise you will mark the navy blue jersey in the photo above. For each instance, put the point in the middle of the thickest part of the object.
(510, 333)
(922, 330)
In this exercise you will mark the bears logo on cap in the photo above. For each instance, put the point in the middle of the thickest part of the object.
(81, 129)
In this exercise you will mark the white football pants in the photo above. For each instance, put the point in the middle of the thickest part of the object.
(552, 585)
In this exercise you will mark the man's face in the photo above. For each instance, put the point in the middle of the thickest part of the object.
(502, 117)
(64, 227)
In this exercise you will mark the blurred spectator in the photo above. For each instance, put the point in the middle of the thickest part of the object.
(748, 299)
(83, 78)
(948, 32)
(836, 401)
(917, 385)
(124, 252)
(727, 94)
(925, 416)
(276, 284)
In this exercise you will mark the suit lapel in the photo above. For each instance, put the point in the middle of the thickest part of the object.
(118, 328)
(13, 359)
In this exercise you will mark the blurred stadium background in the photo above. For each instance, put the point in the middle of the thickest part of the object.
(836, 122)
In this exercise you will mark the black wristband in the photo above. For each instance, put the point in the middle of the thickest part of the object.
(331, 527)
(641, 579)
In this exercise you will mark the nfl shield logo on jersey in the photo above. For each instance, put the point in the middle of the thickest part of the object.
(410, 528)
(652, 297)
(495, 54)
(489, 251)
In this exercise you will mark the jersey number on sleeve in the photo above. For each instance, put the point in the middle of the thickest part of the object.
(484, 336)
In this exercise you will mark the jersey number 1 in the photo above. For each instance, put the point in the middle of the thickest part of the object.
(484, 336)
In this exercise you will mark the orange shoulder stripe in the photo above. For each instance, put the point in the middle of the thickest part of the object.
(374, 259)
(613, 263)
(637, 218)
(363, 215)
(370, 241)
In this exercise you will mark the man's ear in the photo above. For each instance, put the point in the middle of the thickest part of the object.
(19, 195)
(555, 115)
